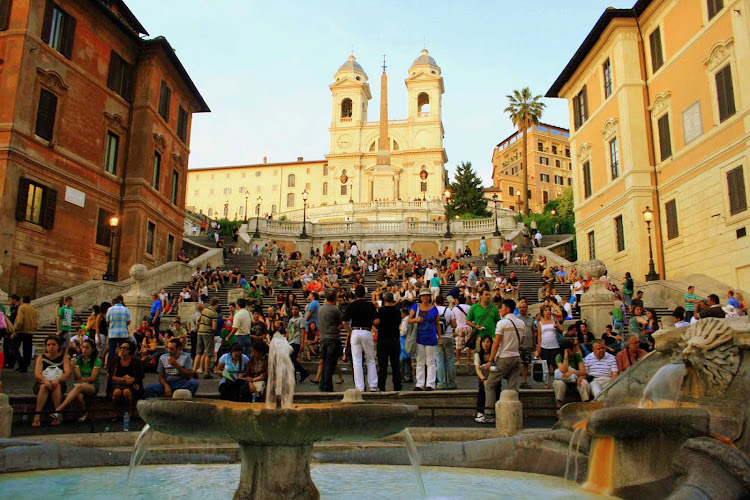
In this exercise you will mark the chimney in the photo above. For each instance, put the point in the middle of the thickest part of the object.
(299, 158)
(265, 160)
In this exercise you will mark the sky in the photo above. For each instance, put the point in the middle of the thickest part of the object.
(264, 67)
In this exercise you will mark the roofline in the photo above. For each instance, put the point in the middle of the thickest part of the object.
(162, 42)
(588, 43)
(277, 164)
(540, 123)
(126, 20)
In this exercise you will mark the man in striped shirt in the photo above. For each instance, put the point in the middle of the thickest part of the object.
(600, 365)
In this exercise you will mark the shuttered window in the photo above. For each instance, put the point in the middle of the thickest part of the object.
(592, 246)
(587, 190)
(58, 29)
(665, 138)
(580, 108)
(120, 78)
(165, 96)
(182, 119)
(619, 234)
(103, 229)
(737, 195)
(614, 159)
(673, 230)
(175, 186)
(714, 6)
(156, 173)
(325, 189)
(45, 114)
(170, 248)
(657, 56)
(725, 93)
(607, 69)
(36, 203)
(110, 156)
(290, 200)
(150, 233)
(4, 14)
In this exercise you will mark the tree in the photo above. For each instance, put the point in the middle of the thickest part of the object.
(467, 197)
(565, 203)
(524, 111)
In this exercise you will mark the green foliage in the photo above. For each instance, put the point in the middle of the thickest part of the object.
(467, 197)
(563, 207)
(282, 218)
(227, 226)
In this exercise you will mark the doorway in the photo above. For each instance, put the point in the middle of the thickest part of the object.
(26, 277)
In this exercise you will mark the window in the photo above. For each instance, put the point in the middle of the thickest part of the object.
(258, 188)
(558, 163)
(325, 189)
(586, 179)
(657, 56)
(273, 208)
(619, 234)
(544, 160)
(45, 114)
(511, 190)
(567, 152)
(592, 246)
(211, 191)
(344, 190)
(665, 139)
(182, 119)
(545, 197)
(346, 108)
(307, 187)
(242, 210)
(156, 174)
(120, 77)
(257, 173)
(543, 178)
(423, 104)
(150, 230)
(423, 187)
(170, 248)
(227, 190)
(110, 155)
(242, 190)
(4, 14)
(559, 180)
(540, 146)
(210, 212)
(36, 203)
(165, 95)
(714, 6)
(290, 200)
(607, 68)
(737, 196)
(614, 162)
(291, 181)
(554, 150)
(103, 229)
(275, 188)
(175, 186)
(580, 110)
(226, 211)
(725, 93)
(671, 210)
(325, 170)
(244, 174)
(58, 29)
(570, 181)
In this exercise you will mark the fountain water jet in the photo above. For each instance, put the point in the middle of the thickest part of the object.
(414, 458)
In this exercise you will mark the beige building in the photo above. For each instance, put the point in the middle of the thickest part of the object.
(550, 169)
(359, 168)
(659, 99)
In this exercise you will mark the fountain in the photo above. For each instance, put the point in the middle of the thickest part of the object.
(275, 438)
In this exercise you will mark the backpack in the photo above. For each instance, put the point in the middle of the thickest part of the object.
(444, 323)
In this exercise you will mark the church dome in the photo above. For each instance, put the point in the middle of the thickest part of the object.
(351, 64)
(423, 59)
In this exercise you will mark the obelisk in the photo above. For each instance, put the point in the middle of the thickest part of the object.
(383, 185)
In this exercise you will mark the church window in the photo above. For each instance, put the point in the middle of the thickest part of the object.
(424, 187)
(346, 108)
(290, 181)
(325, 169)
(290, 200)
(325, 189)
(423, 104)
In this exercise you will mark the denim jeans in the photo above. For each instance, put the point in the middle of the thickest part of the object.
(156, 390)
(244, 341)
(445, 356)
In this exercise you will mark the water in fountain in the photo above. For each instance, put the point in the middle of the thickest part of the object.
(576, 438)
(280, 386)
(141, 447)
(664, 387)
(411, 449)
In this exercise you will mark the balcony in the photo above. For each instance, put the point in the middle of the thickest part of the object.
(346, 119)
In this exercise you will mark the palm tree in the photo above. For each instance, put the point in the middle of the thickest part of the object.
(524, 111)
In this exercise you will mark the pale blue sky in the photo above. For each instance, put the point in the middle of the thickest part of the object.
(264, 67)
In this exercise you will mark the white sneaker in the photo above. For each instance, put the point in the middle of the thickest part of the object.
(479, 417)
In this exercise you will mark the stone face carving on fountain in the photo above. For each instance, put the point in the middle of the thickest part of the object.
(708, 348)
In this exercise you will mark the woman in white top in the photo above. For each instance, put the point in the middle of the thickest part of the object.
(462, 330)
(548, 347)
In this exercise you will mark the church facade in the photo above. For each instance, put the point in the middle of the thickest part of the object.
(360, 168)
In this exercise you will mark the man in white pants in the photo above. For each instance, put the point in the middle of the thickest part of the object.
(363, 317)
(602, 366)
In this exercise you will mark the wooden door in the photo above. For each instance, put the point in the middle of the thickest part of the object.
(26, 276)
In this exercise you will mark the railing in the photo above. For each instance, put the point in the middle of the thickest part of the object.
(346, 118)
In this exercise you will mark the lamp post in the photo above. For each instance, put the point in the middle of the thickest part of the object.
(304, 235)
(497, 228)
(256, 234)
(648, 216)
(447, 219)
(109, 275)
(247, 197)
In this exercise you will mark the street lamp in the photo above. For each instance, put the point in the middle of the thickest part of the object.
(447, 219)
(109, 275)
(648, 216)
(554, 212)
(256, 234)
(247, 197)
(304, 215)
(497, 228)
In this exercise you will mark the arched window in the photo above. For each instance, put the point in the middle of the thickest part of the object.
(273, 208)
(372, 146)
(325, 189)
(325, 169)
(423, 104)
(242, 210)
(226, 210)
(396, 146)
(290, 200)
(291, 181)
(210, 212)
(346, 108)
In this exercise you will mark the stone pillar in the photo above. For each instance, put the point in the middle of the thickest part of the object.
(6, 416)
(509, 413)
(138, 298)
(276, 472)
(304, 246)
(597, 303)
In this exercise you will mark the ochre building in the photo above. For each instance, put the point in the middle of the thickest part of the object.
(550, 167)
(408, 164)
(659, 100)
(94, 124)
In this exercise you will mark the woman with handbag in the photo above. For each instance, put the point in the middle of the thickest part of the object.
(426, 316)
(51, 372)
(549, 344)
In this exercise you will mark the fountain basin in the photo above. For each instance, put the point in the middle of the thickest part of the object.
(637, 423)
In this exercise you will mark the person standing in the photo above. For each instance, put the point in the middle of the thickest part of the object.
(548, 346)
(331, 321)
(65, 321)
(445, 351)
(118, 320)
(482, 317)
(241, 323)
(426, 316)
(206, 327)
(156, 310)
(25, 326)
(389, 345)
(527, 346)
(363, 317)
(507, 246)
(690, 300)
(296, 331)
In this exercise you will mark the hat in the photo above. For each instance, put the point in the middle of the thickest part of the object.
(729, 309)
(425, 291)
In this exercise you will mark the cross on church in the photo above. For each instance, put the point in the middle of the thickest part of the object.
(384, 66)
